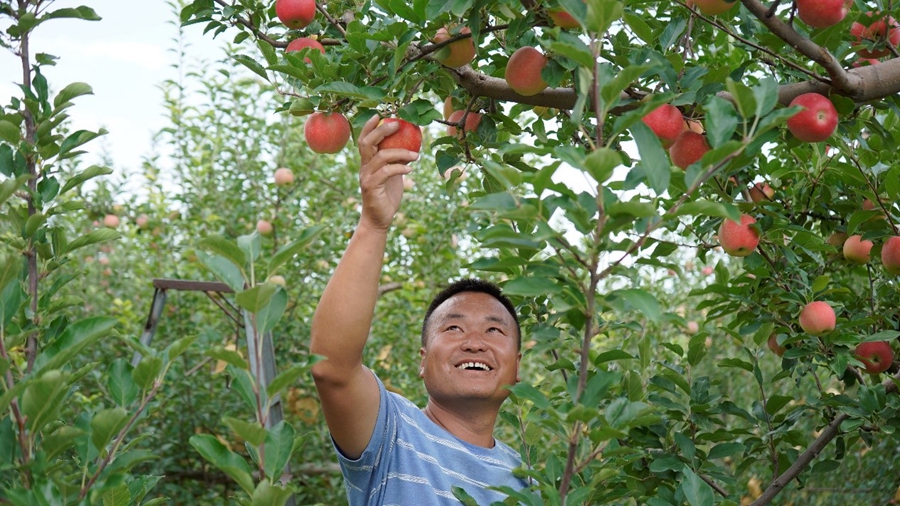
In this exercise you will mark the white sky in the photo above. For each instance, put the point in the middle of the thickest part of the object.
(124, 57)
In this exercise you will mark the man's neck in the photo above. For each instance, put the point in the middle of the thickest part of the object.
(473, 425)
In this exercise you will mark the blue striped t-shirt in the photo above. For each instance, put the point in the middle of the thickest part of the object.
(412, 461)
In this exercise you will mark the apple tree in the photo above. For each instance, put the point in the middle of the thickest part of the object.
(577, 206)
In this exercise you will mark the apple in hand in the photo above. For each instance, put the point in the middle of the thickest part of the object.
(890, 255)
(326, 132)
(823, 13)
(295, 14)
(666, 122)
(877, 356)
(875, 32)
(739, 239)
(456, 54)
(817, 318)
(817, 121)
(523, 71)
(857, 250)
(688, 148)
(408, 136)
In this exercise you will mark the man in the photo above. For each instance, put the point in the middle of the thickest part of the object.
(391, 452)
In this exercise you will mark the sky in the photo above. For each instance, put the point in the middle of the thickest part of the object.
(124, 58)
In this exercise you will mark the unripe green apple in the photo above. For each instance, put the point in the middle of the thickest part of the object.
(277, 280)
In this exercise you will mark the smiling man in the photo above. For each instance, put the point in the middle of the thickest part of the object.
(392, 452)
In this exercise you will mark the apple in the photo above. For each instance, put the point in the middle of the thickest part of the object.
(707, 271)
(523, 71)
(295, 14)
(111, 221)
(875, 32)
(823, 13)
(692, 327)
(864, 62)
(326, 132)
(714, 7)
(692, 124)
(817, 121)
(857, 250)
(890, 255)
(739, 239)
(877, 356)
(666, 122)
(408, 137)
(284, 176)
(142, 221)
(688, 148)
(448, 107)
(456, 54)
(408, 184)
(817, 318)
(562, 19)
(302, 43)
(760, 192)
(773, 345)
(264, 227)
(277, 280)
(836, 239)
(473, 119)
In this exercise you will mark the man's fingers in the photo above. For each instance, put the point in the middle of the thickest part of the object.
(371, 136)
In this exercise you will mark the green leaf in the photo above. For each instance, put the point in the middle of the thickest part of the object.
(43, 399)
(696, 491)
(77, 139)
(93, 237)
(640, 300)
(268, 316)
(75, 338)
(624, 78)
(88, 173)
(147, 371)
(721, 121)
(251, 64)
(256, 298)
(33, 223)
(11, 186)
(227, 461)
(252, 432)
(601, 15)
(288, 251)
(724, 450)
(776, 402)
(223, 269)
(251, 245)
(119, 383)
(59, 441)
(9, 132)
(743, 97)
(80, 12)
(105, 425)
(601, 163)
(10, 267)
(288, 377)
(279, 445)
(654, 160)
(231, 357)
(709, 208)
(820, 283)
(531, 286)
(224, 248)
(71, 91)
(178, 347)
(267, 494)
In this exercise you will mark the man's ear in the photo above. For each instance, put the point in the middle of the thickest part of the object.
(518, 369)
(422, 363)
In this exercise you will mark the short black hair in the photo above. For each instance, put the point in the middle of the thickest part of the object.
(473, 285)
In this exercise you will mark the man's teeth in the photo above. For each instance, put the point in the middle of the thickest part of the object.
(474, 365)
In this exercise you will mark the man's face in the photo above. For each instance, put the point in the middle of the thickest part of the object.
(470, 352)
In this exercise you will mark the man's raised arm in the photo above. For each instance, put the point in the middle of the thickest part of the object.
(340, 326)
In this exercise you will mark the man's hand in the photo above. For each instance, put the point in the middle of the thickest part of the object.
(381, 174)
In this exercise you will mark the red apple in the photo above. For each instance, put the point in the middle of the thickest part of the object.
(304, 42)
(264, 227)
(326, 132)
(473, 119)
(877, 31)
(857, 250)
(562, 19)
(688, 148)
(714, 7)
(877, 356)
(760, 192)
(692, 327)
(666, 122)
(111, 221)
(890, 255)
(284, 176)
(142, 221)
(295, 14)
(823, 13)
(523, 71)
(694, 125)
(408, 137)
(817, 121)
(739, 239)
(817, 318)
(448, 107)
(458, 53)
(836, 239)
(773, 345)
